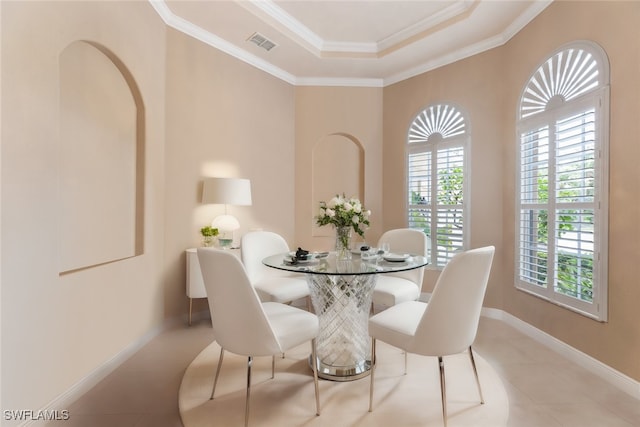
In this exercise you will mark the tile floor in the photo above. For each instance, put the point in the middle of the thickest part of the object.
(544, 388)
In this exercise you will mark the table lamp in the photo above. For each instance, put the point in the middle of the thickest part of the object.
(226, 191)
(226, 225)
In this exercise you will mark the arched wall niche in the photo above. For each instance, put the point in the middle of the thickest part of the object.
(100, 208)
(338, 167)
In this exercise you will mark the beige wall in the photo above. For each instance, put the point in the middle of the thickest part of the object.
(58, 329)
(475, 94)
(323, 111)
(224, 118)
(488, 86)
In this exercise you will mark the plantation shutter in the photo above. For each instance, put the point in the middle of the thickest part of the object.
(574, 205)
(534, 166)
(450, 220)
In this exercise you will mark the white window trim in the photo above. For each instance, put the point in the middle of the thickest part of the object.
(598, 98)
(463, 141)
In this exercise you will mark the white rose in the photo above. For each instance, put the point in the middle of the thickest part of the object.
(347, 206)
(331, 213)
(355, 219)
(333, 202)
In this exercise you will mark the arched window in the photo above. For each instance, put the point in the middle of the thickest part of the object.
(436, 179)
(562, 180)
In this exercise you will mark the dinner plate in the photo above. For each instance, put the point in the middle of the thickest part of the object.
(396, 257)
(294, 261)
(311, 257)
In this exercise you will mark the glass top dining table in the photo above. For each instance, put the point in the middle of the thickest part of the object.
(341, 294)
(326, 263)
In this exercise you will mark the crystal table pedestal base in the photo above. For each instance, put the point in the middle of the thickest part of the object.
(342, 304)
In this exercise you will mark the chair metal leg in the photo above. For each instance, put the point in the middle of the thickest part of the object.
(246, 404)
(373, 370)
(405, 362)
(475, 372)
(315, 374)
(215, 381)
(190, 307)
(443, 390)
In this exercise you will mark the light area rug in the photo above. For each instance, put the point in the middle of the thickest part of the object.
(288, 399)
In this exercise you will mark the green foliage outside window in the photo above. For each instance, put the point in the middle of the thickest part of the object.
(449, 193)
(574, 271)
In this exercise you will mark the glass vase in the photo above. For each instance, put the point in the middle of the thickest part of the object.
(343, 243)
(208, 241)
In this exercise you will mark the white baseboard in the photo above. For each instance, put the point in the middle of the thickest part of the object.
(617, 379)
(101, 372)
(607, 373)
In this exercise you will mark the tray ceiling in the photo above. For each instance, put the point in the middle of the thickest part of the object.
(350, 43)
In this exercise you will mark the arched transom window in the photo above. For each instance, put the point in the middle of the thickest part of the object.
(562, 180)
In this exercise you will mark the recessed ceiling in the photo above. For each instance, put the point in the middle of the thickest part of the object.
(350, 43)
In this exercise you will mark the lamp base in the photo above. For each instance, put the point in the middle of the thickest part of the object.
(225, 243)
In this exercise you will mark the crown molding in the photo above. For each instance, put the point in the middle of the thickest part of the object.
(521, 21)
(344, 82)
(392, 42)
(205, 36)
(325, 48)
(447, 59)
(476, 48)
(290, 25)
(317, 46)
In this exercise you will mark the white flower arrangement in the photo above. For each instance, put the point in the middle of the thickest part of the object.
(343, 212)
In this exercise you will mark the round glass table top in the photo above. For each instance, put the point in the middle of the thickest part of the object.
(327, 263)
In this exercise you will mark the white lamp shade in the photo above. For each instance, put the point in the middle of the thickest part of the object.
(225, 223)
(227, 191)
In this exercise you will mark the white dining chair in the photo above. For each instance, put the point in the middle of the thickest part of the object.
(395, 288)
(446, 325)
(244, 325)
(271, 284)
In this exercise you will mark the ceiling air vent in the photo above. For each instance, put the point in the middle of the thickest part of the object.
(261, 41)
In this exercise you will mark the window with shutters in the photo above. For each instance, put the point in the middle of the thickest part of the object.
(437, 180)
(562, 174)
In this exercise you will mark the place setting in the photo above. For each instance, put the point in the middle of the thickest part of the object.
(382, 254)
(303, 257)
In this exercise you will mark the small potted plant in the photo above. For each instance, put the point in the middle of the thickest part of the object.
(208, 235)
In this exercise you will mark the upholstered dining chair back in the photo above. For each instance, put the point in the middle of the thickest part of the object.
(399, 287)
(270, 283)
(257, 245)
(407, 240)
(239, 322)
(450, 321)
